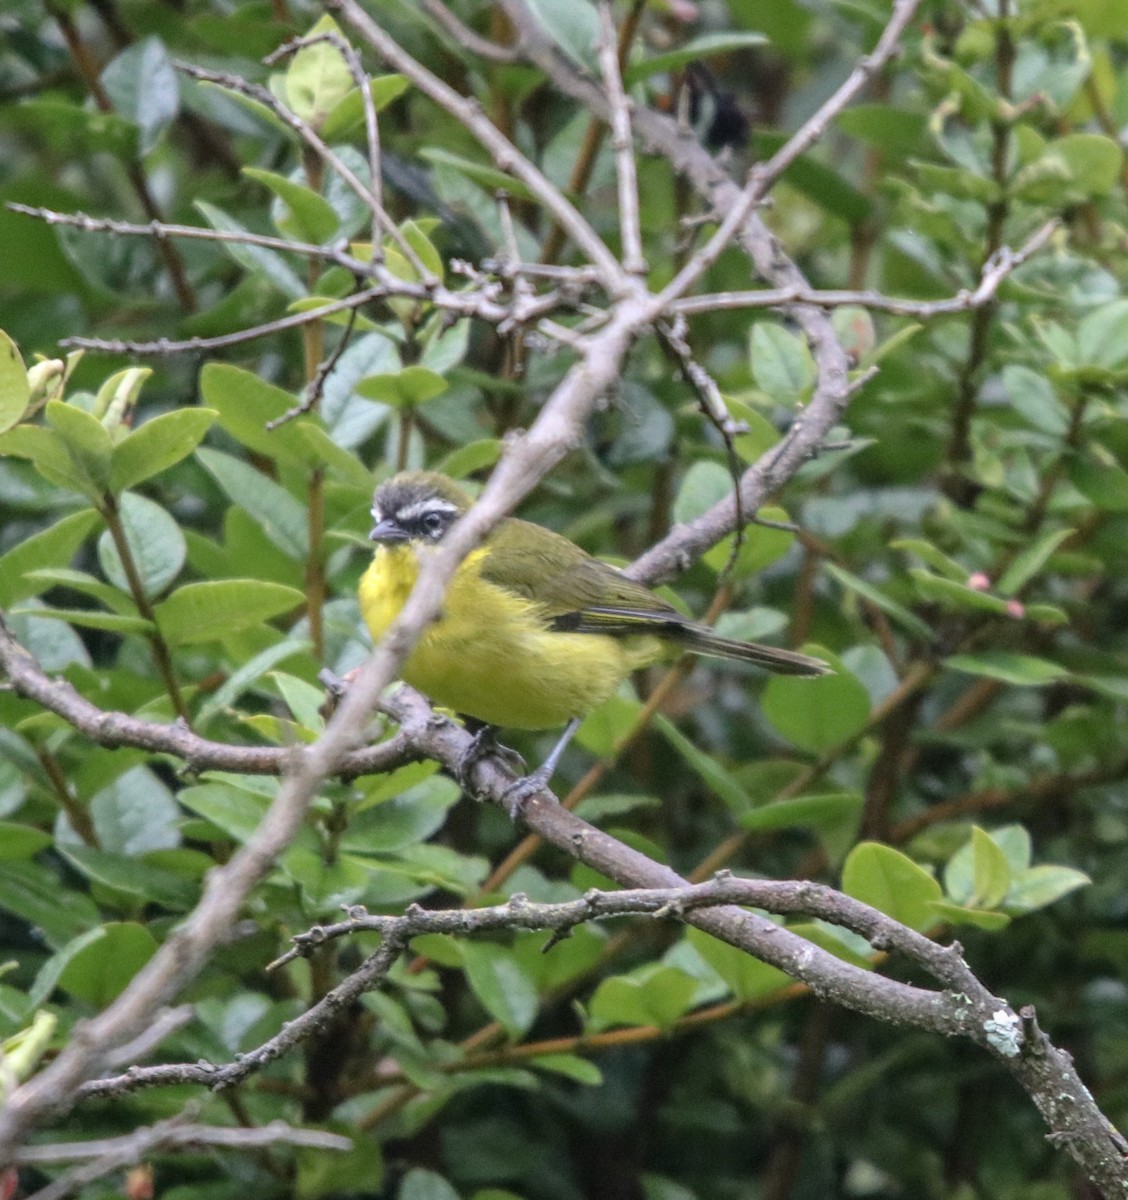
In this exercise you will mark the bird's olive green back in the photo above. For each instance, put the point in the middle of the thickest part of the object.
(546, 567)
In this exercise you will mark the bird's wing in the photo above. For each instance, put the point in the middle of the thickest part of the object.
(549, 569)
(580, 594)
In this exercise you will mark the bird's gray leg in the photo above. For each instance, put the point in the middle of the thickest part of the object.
(514, 797)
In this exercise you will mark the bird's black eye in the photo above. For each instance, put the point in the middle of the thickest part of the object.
(433, 523)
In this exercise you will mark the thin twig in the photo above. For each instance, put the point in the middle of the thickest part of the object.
(371, 126)
(507, 157)
(317, 144)
(464, 37)
(630, 222)
(995, 272)
(103, 1156)
(763, 177)
(267, 329)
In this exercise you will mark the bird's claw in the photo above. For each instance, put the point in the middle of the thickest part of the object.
(482, 745)
(335, 688)
(521, 791)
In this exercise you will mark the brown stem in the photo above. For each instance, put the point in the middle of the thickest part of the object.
(886, 774)
(791, 1128)
(88, 69)
(982, 319)
(158, 647)
(79, 818)
(593, 138)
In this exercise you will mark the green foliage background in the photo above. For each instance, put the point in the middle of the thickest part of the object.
(962, 558)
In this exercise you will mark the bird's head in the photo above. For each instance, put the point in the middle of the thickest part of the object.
(416, 506)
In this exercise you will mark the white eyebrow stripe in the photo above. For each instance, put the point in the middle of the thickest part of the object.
(432, 504)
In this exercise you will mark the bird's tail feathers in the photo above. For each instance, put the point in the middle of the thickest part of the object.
(695, 639)
(699, 640)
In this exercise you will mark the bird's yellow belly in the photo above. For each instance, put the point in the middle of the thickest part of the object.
(491, 655)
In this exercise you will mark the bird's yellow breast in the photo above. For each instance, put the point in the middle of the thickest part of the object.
(491, 654)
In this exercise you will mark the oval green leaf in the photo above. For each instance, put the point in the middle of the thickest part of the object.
(208, 612)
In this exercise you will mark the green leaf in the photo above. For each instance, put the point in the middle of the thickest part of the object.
(487, 176)
(87, 442)
(652, 995)
(51, 547)
(318, 77)
(574, 27)
(1033, 397)
(143, 87)
(760, 546)
(1092, 160)
(474, 456)
(991, 874)
(935, 558)
(745, 976)
(420, 1184)
(117, 398)
(717, 778)
(303, 699)
(156, 546)
(1014, 841)
(694, 50)
(1038, 887)
(416, 237)
(348, 115)
(114, 598)
(247, 675)
(89, 618)
(246, 405)
(32, 893)
(978, 918)
(895, 131)
(402, 820)
(211, 611)
(816, 714)
(703, 485)
(47, 450)
(499, 982)
(1102, 336)
(157, 445)
(235, 811)
(804, 811)
(21, 841)
(571, 1066)
(310, 217)
(135, 813)
(406, 388)
(258, 260)
(1102, 484)
(15, 391)
(892, 883)
(282, 518)
(955, 595)
(137, 881)
(97, 966)
(1024, 670)
(1030, 561)
(898, 612)
(781, 363)
(978, 875)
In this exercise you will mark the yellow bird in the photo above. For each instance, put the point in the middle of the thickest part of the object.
(534, 632)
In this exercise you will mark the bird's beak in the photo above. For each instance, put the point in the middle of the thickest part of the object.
(387, 531)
